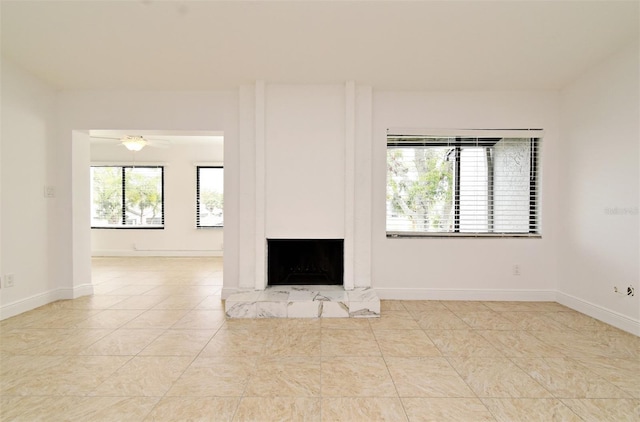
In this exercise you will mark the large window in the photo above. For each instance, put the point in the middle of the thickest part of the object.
(462, 185)
(210, 196)
(127, 197)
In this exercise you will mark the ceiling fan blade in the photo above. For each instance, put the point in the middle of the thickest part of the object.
(157, 143)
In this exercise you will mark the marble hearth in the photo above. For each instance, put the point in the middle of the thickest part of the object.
(316, 301)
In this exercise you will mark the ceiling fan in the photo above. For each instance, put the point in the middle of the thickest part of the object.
(135, 142)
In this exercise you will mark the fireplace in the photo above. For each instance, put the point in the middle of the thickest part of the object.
(305, 262)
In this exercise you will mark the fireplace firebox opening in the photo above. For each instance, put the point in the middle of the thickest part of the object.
(305, 262)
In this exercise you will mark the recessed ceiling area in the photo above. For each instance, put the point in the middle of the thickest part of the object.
(159, 137)
(216, 45)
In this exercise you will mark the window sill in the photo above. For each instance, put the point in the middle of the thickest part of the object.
(411, 235)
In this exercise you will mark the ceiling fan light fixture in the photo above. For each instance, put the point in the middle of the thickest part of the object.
(134, 143)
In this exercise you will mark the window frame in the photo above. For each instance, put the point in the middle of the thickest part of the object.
(464, 140)
(198, 223)
(123, 225)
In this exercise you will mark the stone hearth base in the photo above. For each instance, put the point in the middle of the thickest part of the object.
(304, 302)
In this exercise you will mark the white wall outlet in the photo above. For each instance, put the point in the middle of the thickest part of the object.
(9, 280)
(516, 269)
(49, 192)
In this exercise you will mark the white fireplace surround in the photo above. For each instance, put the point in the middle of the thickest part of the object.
(313, 195)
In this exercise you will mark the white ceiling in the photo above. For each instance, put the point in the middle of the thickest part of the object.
(207, 45)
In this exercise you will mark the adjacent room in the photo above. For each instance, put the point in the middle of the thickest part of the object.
(460, 178)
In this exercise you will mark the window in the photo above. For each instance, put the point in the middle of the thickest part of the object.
(209, 196)
(462, 185)
(127, 197)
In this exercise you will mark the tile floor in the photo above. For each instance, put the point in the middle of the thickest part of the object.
(153, 344)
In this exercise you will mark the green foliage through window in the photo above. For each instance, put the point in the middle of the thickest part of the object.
(127, 197)
(210, 197)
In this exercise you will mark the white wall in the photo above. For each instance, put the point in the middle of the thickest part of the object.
(28, 119)
(180, 237)
(600, 238)
(466, 268)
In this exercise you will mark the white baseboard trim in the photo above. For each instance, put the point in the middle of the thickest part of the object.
(167, 253)
(605, 315)
(41, 299)
(29, 303)
(466, 294)
(228, 291)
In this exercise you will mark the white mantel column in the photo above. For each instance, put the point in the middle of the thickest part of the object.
(349, 184)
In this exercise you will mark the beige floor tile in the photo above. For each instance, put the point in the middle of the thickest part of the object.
(348, 343)
(578, 321)
(138, 302)
(162, 318)
(606, 410)
(507, 306)
(65, 360)
(356, 377)
(530, 410)
(54, 408)
(213, 302)
(465, 306)
(486, 320)
(520, 344)
(362, 409)
(462, 343)
(236, 343)
(180, 302)
(201, 320)
(257, 409)
(214, 377)
(566, 378)
(394, 320)
(392, 305)
(131, 290)
(438, 320)
(294, 342)
(423, 305)
(89, 302)
(194, 409)
(62, 318)
(109, 318)
(48, 341)
(446, 409)
(405, 343)
(285, 377)
(178, 343)
(345, 323)
(497, 377)
(426, 377)
(624, 373)
(534, 321)
(123, 342)
(74, 375)
(150, 376)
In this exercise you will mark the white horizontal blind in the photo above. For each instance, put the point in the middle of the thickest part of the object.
(461, 185)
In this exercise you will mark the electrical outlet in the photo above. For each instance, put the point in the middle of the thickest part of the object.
(516, 269)
(8, 280)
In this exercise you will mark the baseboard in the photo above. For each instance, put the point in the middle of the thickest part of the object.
(167, 253)
(29, 303)
(608, 316)
(227, 291)
(41, 299)
(466, 294)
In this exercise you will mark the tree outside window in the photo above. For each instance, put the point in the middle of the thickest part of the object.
(127, 197)
(210, 196)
